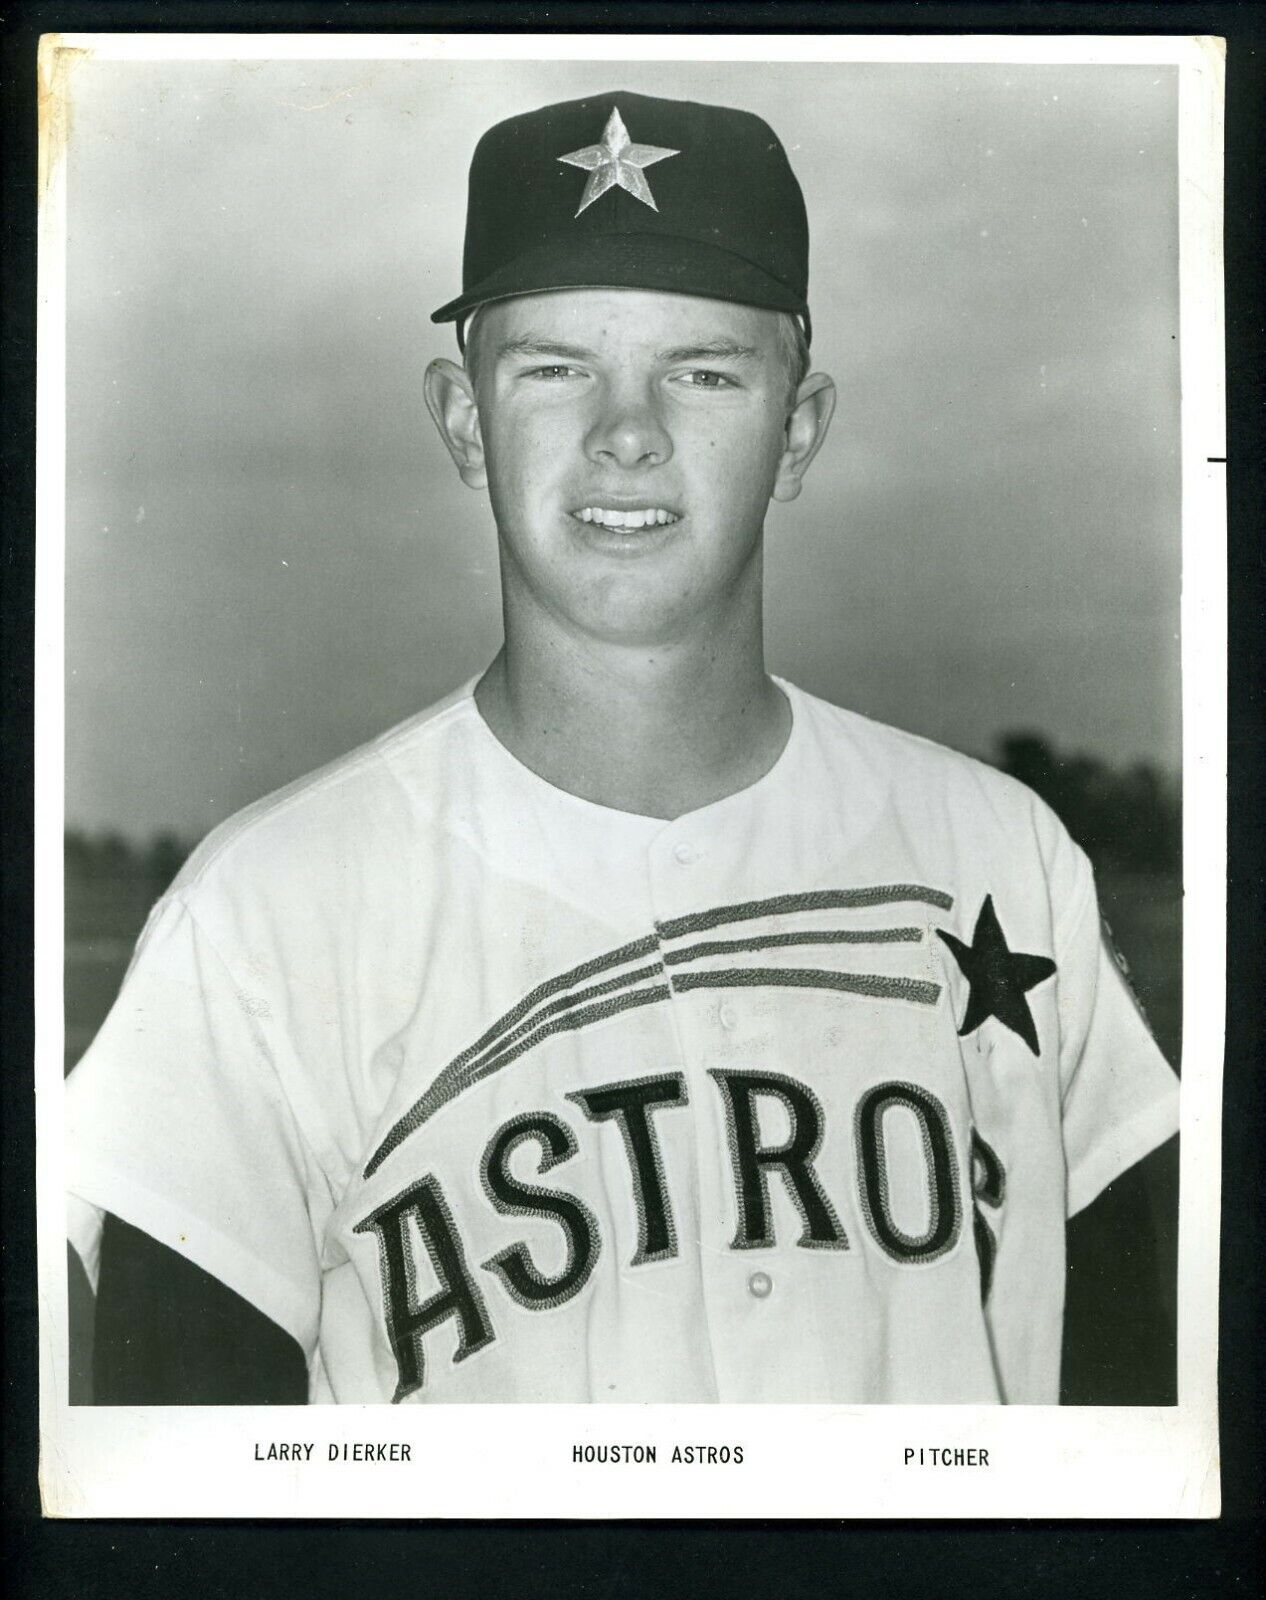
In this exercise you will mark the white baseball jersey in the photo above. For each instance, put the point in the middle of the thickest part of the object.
(488, 1093)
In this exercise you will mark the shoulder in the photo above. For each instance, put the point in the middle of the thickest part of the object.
(915, 769)
(339, 823)
(945, 802)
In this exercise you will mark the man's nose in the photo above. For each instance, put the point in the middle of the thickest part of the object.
(629, 431)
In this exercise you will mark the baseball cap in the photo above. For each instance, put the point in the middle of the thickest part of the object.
(628, 191)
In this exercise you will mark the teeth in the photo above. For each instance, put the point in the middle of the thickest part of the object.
(650, 518)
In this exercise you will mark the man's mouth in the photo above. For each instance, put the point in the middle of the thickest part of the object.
(644, 517)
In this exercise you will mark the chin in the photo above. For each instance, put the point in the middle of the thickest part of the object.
(638, 625)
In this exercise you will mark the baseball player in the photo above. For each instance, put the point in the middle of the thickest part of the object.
(631, 1025)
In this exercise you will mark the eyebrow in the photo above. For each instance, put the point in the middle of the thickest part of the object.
(712, 350)
(531, 345)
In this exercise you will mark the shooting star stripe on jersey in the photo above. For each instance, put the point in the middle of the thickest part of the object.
(777, 941)
(445, 1088)
(473, 1069)
(464, 1070)
(877, 987)
(576, 1019)
(526, 1024)
(814, 900)
(565, 980)
(416, 1115)
(470, 1068)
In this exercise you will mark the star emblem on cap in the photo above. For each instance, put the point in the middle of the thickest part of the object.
(617, 161)
(998, 978)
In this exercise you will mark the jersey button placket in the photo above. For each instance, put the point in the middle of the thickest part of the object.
(678, 872)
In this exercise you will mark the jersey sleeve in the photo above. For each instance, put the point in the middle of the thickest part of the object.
(178, 1123)
(1119, 1094)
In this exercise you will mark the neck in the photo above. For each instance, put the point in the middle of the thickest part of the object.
(656, 730)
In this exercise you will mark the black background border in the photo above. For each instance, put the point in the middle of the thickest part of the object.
(88, 1560)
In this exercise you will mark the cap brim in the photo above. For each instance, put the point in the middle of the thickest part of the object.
(630, 261)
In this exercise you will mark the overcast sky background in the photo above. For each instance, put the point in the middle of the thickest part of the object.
(270, 558)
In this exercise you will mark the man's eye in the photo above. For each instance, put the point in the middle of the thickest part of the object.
(705, 378)
(553, 372)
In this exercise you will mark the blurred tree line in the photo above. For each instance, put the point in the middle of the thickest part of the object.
(1125, 819)
(103, 856)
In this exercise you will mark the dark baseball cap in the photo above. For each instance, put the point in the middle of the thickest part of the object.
(627, 191)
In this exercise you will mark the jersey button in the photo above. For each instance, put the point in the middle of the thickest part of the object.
(761, 1285)
(685, 853)
(728, 1019)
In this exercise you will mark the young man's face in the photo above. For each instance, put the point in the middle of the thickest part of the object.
(631, 443)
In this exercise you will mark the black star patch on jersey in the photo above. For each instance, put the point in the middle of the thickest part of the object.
(998, 978)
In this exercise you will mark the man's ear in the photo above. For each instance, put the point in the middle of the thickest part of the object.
(450, 398)
(806, 428)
